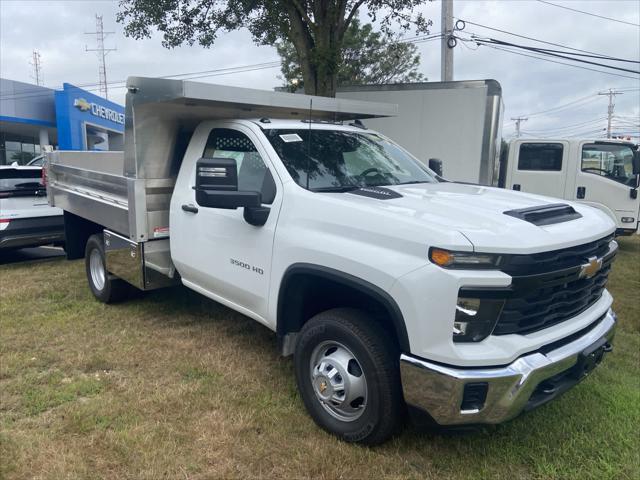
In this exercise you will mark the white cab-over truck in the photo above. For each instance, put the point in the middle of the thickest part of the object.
(390, 286)
(602, 173)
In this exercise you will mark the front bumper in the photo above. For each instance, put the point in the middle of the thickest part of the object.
(526, 383)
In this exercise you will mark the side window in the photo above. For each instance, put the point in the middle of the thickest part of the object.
(540, 157)
(610, 160)
(253, 174)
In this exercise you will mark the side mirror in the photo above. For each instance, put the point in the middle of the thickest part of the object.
(435, 164)
(636, 162)
(217, 185)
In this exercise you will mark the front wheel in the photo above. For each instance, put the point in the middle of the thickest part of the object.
(347, 373)
(104, 286)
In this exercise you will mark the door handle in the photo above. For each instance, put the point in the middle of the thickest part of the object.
(582, 191)
(516, 186)
(190, 208)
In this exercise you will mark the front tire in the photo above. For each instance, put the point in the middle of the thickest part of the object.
(348, 376)
(105, 287)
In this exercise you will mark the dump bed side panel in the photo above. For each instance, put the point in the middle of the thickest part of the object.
(88, 184)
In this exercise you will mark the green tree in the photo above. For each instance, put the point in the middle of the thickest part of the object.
(315, 28)
(368, 57)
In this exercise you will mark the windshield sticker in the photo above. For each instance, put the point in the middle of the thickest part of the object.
(290, 137)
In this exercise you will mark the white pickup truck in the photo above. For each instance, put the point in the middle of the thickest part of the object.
(390, 286)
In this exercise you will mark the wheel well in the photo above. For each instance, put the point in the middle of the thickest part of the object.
(77, 231)
(307, 290)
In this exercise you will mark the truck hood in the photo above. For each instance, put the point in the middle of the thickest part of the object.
(477, 212)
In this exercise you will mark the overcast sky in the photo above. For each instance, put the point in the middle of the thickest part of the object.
(56, 29)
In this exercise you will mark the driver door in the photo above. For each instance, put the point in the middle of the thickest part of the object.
(216, 251)
(605, 179)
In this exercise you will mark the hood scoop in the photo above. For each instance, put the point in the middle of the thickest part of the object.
(545, 214)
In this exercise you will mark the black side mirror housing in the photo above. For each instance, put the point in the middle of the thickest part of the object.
(217, 185)
(435, 164)
(636, 162)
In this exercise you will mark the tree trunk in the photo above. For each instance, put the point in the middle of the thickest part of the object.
(318, 44)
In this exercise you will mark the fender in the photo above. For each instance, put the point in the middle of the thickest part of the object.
(393, 311)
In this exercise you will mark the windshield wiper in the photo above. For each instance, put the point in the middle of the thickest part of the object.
(338, 189)
(412, 182)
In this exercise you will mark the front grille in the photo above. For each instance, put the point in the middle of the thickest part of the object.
(550, 303)
(520, 265)
(546, 288)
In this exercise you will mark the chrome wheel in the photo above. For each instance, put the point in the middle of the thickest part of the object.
(338, 381)
(96, 267)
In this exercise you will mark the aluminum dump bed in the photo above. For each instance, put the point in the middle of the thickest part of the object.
(129, 192)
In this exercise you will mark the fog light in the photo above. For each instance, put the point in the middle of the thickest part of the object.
(473, 398)
(459, 328)
(627, 219)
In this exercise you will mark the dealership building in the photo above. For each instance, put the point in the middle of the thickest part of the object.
(69, 119)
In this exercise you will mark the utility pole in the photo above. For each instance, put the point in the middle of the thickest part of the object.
(36, 63)
(446, 42)
(519, 120)
(611, 94)
(102, 53)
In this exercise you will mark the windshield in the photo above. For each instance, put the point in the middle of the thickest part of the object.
(613, 161)
(36, 162)
(334, 160)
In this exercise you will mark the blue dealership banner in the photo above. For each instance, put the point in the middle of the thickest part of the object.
(77, 109)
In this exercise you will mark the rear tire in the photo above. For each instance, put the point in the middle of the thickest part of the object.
(347, 371)
(105, 287)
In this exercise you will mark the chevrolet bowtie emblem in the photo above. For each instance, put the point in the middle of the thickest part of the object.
(590, 268)
(81, 104)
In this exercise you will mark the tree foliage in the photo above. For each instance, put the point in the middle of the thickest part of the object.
(315, 28)
(368, 57)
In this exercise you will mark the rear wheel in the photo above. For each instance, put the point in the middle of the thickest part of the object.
(347, 374)
(105, 287)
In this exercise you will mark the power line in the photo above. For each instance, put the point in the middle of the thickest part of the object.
(571, 126)
(549, 52)
(578, 102)
(589, 13)
(204, 73)
(560, 63)
(527, 38)
(187, 76)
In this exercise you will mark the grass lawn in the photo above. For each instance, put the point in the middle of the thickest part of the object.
(172, 385)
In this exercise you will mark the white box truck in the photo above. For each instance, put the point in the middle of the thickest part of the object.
(458, 123)
(455, 128)
(390, 287)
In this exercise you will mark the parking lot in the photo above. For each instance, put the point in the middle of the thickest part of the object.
(172, 385)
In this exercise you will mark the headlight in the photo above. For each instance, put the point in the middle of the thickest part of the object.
(464, 260)
(475, 318)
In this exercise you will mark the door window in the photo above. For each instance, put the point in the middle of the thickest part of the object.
(253, 174)
(540, 156)
(612, 161)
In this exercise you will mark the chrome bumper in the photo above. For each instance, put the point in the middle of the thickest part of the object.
(440, 390)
